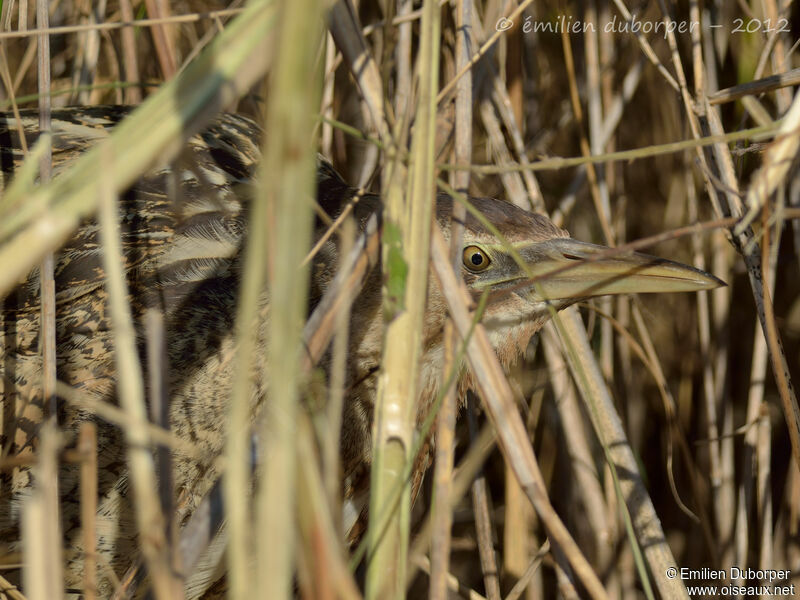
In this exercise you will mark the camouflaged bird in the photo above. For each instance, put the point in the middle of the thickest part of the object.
(182, 229)
(183, 253)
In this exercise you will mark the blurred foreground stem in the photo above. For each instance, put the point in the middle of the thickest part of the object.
(289, 186)
(407, 230)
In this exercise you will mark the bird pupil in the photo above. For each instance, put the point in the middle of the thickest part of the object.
(477, 259)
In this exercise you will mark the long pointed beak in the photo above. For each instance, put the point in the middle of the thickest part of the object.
(567, 269)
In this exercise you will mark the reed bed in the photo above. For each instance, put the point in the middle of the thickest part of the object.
(641, 446)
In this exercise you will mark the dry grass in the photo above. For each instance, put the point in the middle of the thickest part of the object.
(648, 433)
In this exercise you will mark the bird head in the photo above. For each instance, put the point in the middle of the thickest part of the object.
(533, 267)
(527, 265)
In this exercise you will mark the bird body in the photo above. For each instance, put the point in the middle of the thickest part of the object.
(183, 229)
(182, 254)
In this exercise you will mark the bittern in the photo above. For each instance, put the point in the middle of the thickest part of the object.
(183, 229)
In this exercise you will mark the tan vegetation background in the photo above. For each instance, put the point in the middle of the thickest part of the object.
(690, 375)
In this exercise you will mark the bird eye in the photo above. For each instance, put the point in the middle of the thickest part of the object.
(475, 259)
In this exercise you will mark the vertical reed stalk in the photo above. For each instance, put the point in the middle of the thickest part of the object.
(407, 225)
(288, 190)
(42, 572)
(446, 421)
(87, 446)
(45, 170)
(130, 385)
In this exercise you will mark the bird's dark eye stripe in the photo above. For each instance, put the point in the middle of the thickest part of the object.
(571, 257)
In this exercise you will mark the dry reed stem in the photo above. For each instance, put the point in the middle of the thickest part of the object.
(41, 530)
(555, 163)
(613, 118)
(647, 355)
(594, 145)
(10, 590)
(647, 49)
(495, 97)
(448, 88)
(158, 399)
(588, 480)
(775, 167)
(512, 181)
(25, 64)
(756, 110)
(349, 37)
(453, 585)
(236, 482)
(331, 438)
(748, 489)
(341, 293)
(333, 226)
(598, 183)
(321, 537)
(519, 525)
(483, 520)
(502, 103)
(133, 94)
(149, 516)
(533, 566)
(287, 193)
(442, 516)
(748, 247)
(326, 101)
(608, 426)
(88, 54)
(163, 39)
(764, 489)
(566, 585)
(752, 88)
(87, 446)
(466, 471)
(741, 237)
(346, 32)
(47, 282)
(441, 511)
(720, 453)
(776, 48)
(125, 24)
(402, 56)
(407, 226)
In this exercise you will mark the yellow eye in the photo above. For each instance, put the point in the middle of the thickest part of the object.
(475, 259)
